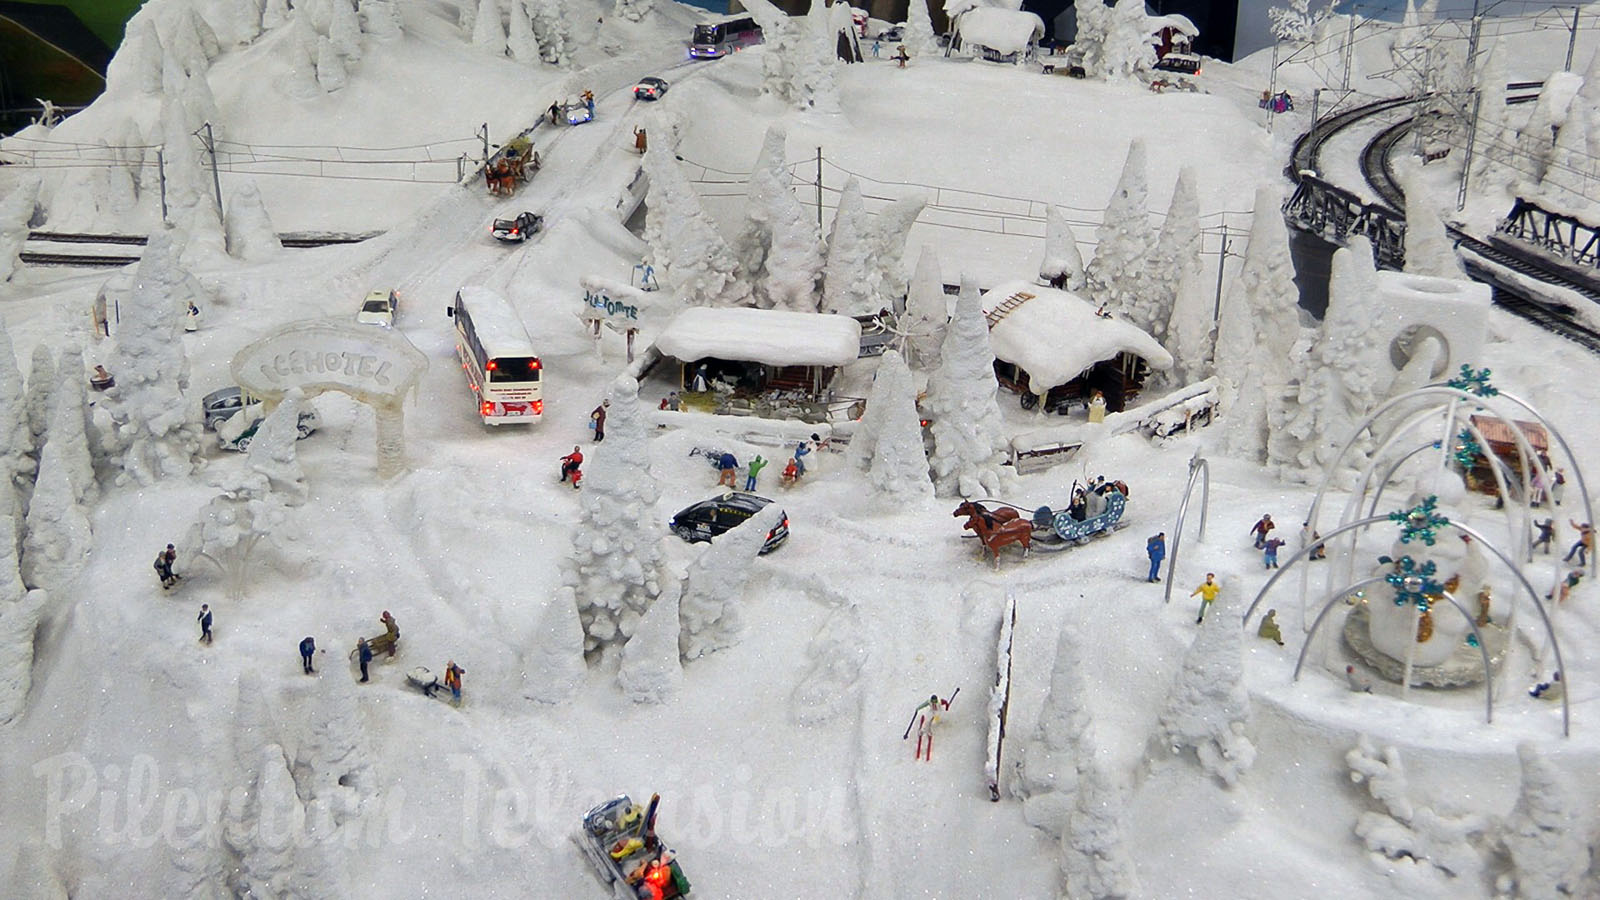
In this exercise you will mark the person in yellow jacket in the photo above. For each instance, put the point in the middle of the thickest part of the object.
(1208, 592)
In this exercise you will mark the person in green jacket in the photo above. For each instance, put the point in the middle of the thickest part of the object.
(1269, 627)
(756, 465)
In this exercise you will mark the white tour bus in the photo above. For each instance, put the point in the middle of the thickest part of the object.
(502, 368)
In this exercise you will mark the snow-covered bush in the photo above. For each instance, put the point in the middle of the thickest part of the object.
(850, 279)
(1544, 833)
(248, 231)
(553, 668)
(232, 527)
(272, 450)
(16, 214)
(1208, 709)
(778, 249)
(708, 613)
(1062, 262)
(684, 244)
(651, 669)
(969, 446)
(1404, 830)
(1115, 276)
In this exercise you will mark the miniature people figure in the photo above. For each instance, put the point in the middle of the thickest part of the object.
(1558, 486)
(308, 646)
(928, 714)
(1564, 589)
(1156, 549)
(1358, 682)
(875, 48)
(901, 56)
(1259, 531)
(1270, 552)
(597, 420)
(791, 474)
(1097, 407)
(391, 631)
(1269, 627)
(588, 101)
(698, 383)
(1546, 535)
(727, 470)
(1208, 593)
(452, 680)
(674, 403)
(1536, 495)
(192, 321)
(1101, 312)
(101, 379)
(555, 113)
(1549, 690)
(1319, 550)
(756, 465)
(164, 569)
(205, 623)
(801, 450)
(640, 141)
(1583, 545)
(570, 464)
(364, 656)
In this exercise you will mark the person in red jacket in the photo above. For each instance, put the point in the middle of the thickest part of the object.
(570, 464)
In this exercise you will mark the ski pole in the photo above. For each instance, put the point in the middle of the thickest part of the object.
(910, 723)
(952, 698)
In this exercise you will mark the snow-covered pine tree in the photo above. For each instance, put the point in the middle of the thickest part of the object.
(617, 566)
(467, 16)
(553, 668)
(520, 41)
(16, 214)
(1568, 181)
(188, 38)
(1266, 296)
(1177, 248)
(232, 527)
(684, 244)
(1544, 833)
(243, 19)
(1429, 250)
(1128, 51)
(1208, 709)
(1535, 144)
(1062, 262)
(927, 312)
(1095, 860)
(969, 447)
(1495, 138)
(276, 14)
(17, 445)
(714, 587)
(918, 35)
(344, 29)
(1190, 333)
(1094, 25)
(488, 31)
(899, 465)
(41, 392)
(1297, 22)
(651, 670)
(778, 248)
(780, 35)
(850, 279)
(1121, 255)
(893, 228)
(817, 58)
(136, 66)
(20, 610)
(157, 432)
(1408, 831)
(552, 25)
(191, 206)
(273, 449)
(331, 74)
(57, 540)
(1047, 770)
(69, 407)
(249, 232)
(381, 19)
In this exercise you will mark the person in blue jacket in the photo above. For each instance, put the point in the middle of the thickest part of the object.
(1156, 547)
(307, 647)
(801, 451)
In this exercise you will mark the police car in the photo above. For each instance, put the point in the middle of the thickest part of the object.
(709, 518)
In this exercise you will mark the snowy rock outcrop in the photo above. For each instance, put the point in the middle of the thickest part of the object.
(708, 612)
(1208, 709)
(969, 446)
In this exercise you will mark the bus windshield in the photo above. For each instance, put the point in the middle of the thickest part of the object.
(504, 369)
(707, 34)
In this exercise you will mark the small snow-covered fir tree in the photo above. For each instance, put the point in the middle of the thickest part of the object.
(157, 431)
(1535, 145)
(1128, 51)
(188, 38)
(651, 669)
(40, 397)
(67, 427)
(1094, 26)
(553, 668)
(136, 66)
(969, 447)
(299, 53)
(893, 227)
(850, 279)
(520, 41)
(918, 35)
(331, 74)
(276, 13)
(898, 467)
(248, 229)
(488, 31)
(381, 19)
(684, 244)
(16, 215)
(17, 444)
(243, 18)
(1095, 859)
(617, 564)
(57, 540)
(272, 451)
(1047, 770)
(927, 312)
(467, 16)
(1190, 331)
(1176, 249)
(1259, 328)
(1408, 831)
(552, 25)
(1568, 180)
(1495, 137)
(1544, 833)
(1297, 22)
(817, 58)
(1062, 263)
(344, 29)
(1429, 250)
(778, 247)
(232, 527)
(20, 610)
(1208, 709)
(1116, 274)
(714, 588)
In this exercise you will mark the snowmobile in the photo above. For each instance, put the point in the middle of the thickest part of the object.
(619, 838)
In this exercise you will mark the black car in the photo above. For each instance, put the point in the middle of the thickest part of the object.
(649, 88)
(515, 231)
(709, 518)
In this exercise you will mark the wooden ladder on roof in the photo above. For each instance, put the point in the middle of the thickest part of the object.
(1006, 307)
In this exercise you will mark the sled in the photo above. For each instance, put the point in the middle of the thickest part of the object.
(1051, 529)
(619, 839)
(423, 679)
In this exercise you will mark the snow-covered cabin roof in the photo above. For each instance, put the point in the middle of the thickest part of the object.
(1177, 23)
(1055, 335)
(774, 337)
(1001, 30)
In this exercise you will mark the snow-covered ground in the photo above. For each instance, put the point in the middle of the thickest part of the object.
(147, 765)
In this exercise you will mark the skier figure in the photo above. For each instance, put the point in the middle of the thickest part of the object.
(452, 680)
(1156, 549)
(1269, 627)
(597, 420)
(1270, 555)
(928, 714)
(1259, 531)
(1208, 594)
(1358, 682)
(308, 646)
(756, 465)
(364, 656)
(205, 623)
(1546, 535)
(1583, 545)
(164, 560)
(727, 471)
(570, 464)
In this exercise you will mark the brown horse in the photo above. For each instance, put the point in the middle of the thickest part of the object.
(995, 533)
(972, 509)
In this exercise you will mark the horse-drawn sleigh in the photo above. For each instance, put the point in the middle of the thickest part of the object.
(1093, 512)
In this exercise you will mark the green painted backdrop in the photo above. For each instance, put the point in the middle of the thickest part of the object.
(104, 17)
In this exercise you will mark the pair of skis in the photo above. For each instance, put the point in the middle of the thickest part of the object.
(929, 732)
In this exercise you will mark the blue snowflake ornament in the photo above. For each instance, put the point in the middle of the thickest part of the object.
(1420, 522)
(1473, 381)
(1413, 583)
(1467, 450)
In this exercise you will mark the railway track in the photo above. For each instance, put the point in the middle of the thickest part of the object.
(293, 240)
(1375, 167)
